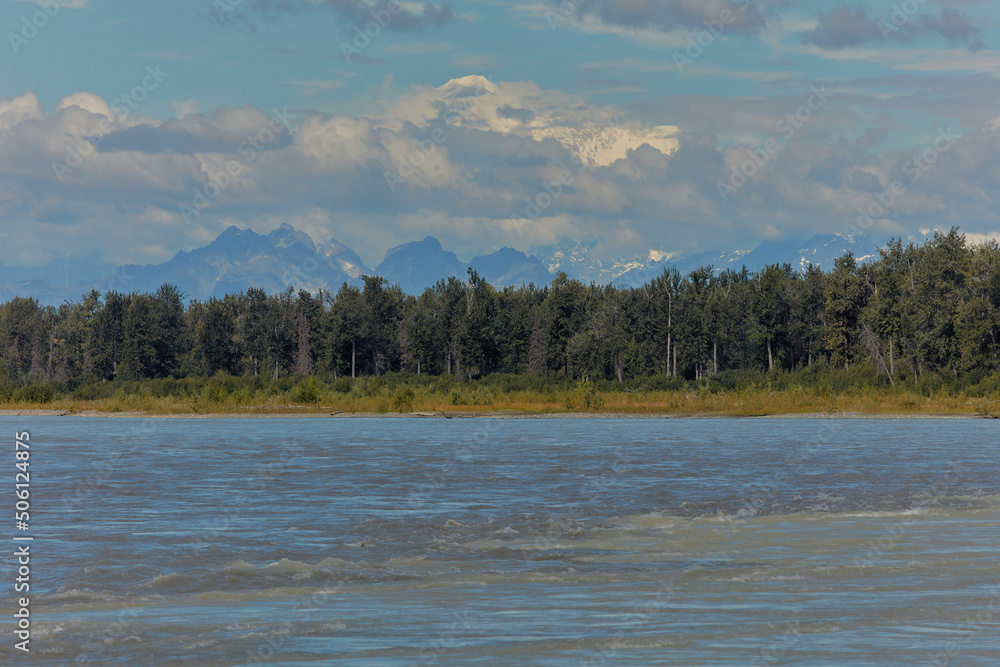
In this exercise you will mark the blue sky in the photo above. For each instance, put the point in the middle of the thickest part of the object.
(672, 124)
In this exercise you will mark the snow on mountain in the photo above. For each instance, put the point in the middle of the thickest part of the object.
(239, 259)
(820, 251)
(577, 260)
(509, 267)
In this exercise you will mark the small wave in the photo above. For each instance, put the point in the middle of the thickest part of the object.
(881, 514)
(759, 577)
(239, 566)
(286, 565)
(365, 543)
(167, 582)
(77, 596)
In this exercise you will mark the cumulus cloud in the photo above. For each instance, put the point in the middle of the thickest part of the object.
(842, 27)
(403, 17)
(65, 4)
(748, 16)
(464, 161)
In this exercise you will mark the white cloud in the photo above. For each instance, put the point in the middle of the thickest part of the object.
(88, 102)
(185, 108)
(64, 4)
(471, 162)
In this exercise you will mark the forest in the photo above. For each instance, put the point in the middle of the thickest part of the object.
(918, 316)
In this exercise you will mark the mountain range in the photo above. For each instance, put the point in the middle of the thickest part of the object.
(239, 259)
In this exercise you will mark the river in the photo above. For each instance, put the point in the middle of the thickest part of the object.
(500, 541)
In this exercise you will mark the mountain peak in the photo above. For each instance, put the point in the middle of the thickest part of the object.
(417, 264)
(467, 84)
(231, 230)
(509, 267)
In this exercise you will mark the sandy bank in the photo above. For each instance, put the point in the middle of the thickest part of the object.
(475, 415)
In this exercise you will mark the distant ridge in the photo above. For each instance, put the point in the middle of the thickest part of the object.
(511, 268)
(239, 259)
(419, 264)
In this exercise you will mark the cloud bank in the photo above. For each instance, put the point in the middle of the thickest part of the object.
(843, 27)
(478, 164)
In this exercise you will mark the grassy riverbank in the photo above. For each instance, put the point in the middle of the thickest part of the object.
(747, 394)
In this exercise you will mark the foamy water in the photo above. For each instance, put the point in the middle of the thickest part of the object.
(563, 542)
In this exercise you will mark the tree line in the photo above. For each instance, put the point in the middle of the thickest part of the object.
(917, 309)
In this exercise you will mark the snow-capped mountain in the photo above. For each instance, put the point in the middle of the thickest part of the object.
(239, 259)
(509, 267)
(578, 260)
(820, 251)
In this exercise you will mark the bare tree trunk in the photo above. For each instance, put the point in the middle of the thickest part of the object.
(770, 357)
(892, 367)
(418, 366)
(871, 342)
(670, 331)
(715, 358)
(668, 356)
(352, 360)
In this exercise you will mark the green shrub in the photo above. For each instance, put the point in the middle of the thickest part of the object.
(586, 394)
(402, 398)
(306, 391)
(215, 391)
(40, 392)
(342, 385)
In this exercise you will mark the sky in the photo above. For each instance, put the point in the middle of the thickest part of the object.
(132, 130)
